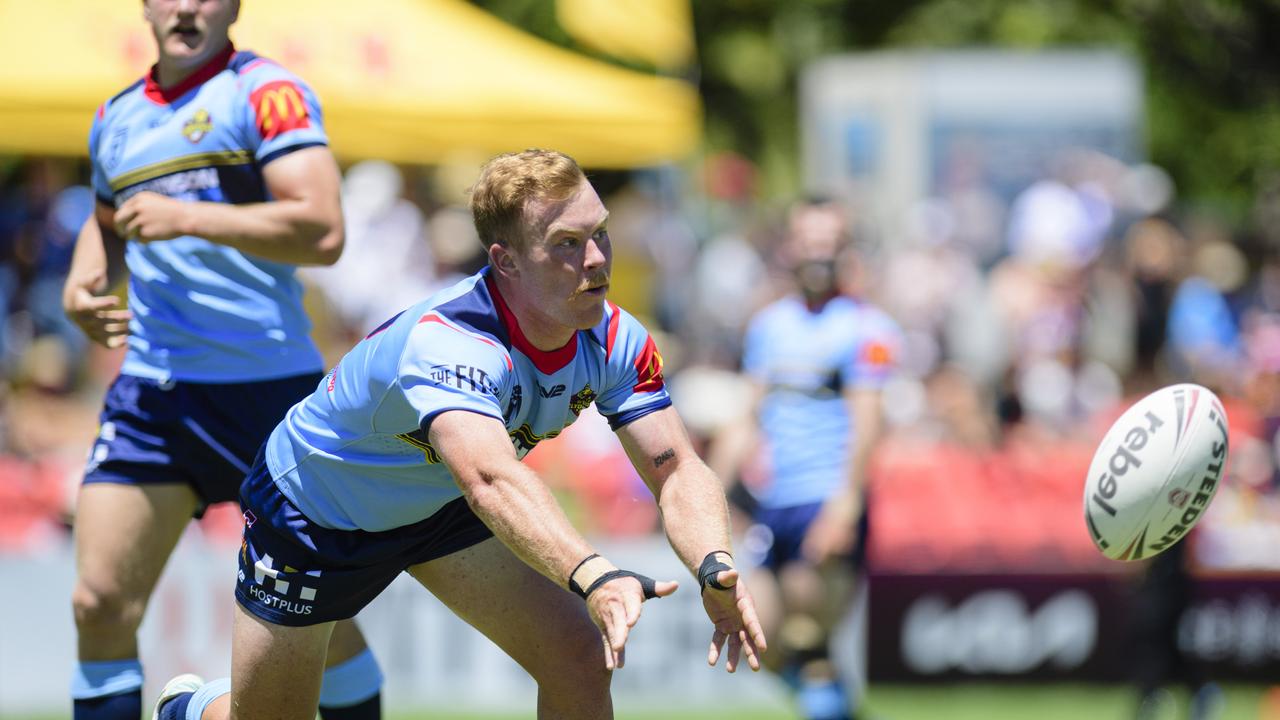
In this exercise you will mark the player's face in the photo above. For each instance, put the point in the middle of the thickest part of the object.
(813, 244)
(188, 32)
(565, 268)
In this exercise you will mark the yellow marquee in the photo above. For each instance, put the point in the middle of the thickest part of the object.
(414, 81)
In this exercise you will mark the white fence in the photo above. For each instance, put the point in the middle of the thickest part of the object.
(431, 659)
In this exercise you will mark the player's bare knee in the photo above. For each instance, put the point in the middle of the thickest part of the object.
(105, 610)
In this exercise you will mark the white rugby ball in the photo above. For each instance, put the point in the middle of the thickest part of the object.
(1155, 472)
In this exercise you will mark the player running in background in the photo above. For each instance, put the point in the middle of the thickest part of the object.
(818, 359)
(407, 458)
(213, 180)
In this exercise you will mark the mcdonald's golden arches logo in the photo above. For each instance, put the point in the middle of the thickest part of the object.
(279, 107)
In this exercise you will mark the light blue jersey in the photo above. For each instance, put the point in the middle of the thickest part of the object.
(204, 312)
(805, 359)
(354, 454)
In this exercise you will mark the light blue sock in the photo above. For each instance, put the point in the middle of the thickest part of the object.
(107, 690)
(99, 678)
(823, 700)
(351, 682)
(204, 697)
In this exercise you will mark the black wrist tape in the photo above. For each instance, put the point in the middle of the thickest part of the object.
(711, 566)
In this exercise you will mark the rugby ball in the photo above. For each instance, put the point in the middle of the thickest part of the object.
(1155, 472)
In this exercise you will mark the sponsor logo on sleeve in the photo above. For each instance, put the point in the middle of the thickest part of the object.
(877, 353)
(648, 368)
(279, 108)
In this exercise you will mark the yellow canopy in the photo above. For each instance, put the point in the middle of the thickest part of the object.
(414, 81)
(658, 32)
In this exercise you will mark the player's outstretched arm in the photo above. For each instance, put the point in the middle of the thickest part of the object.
(301, 225)
(97, 267)
(696, 519)
(514, 502)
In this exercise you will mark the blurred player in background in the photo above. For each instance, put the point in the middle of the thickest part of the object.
(213, 180)
(407, 459)
(818, 359)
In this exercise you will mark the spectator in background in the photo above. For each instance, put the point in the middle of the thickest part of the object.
(818, 360)
(388, 265)
(214, 180)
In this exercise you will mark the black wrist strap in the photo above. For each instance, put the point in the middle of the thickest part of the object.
(711, 566)
(573, 584)
(647, 584)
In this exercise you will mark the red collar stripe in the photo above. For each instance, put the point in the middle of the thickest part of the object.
(612, 335)
(548, 362)
(164, 96)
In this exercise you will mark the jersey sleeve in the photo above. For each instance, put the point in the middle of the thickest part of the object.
(101, 184)
(754, 364)
(633, 373)
(447, 368)
(280, 113)
(875, 352)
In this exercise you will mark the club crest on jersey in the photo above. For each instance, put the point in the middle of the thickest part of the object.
(198, 126)
(279, 107)
(581, 400)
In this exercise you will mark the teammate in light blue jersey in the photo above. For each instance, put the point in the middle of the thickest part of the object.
(819, 360)
(213, 179)
(406, 458)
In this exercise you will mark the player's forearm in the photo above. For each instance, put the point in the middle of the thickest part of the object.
(859, 460)
(514, 503)
(299, 232)
(97, 263)
(694, 512)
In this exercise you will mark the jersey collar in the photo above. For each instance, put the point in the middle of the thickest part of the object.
(164, 96)
(548, 362)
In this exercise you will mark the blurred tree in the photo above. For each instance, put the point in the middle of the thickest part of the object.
(1212, 70)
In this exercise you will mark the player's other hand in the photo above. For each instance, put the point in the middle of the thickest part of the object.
(615, 608)
(99, 316)
(834, 532)
(149, 216)
(737, 628)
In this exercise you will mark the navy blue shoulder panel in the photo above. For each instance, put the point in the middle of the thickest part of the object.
(476, 312)
(126, 91)
(600, 333)
(241, 59)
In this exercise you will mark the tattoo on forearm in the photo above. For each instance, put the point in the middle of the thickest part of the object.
(663, 457)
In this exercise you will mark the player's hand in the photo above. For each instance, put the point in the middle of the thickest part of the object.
(615, 608)
(99, 316)
(737, 628)
(834, 532)
(149, 216)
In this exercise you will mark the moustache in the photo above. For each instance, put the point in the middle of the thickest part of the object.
(592, 282)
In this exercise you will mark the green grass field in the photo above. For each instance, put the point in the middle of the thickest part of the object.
(958, 702)
(969, 702)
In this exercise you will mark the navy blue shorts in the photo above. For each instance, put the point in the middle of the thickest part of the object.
(787, 527)
(294, 572)
(202, 434)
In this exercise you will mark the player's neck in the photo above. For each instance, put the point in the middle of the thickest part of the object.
(538, 329)
(171, 72)
(816, 302)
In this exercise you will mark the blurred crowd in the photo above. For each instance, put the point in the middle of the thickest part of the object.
(1029, 321)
